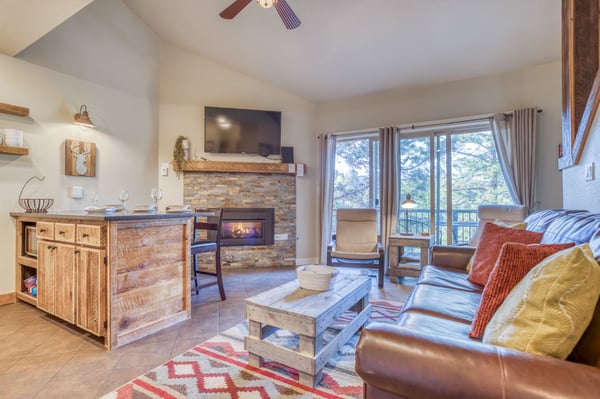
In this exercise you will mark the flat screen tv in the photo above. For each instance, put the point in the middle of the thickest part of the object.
(242, 131)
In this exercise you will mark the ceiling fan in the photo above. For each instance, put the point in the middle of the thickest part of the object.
(290, 20)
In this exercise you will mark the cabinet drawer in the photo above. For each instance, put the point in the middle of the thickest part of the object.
(64, 232)
(45, 230)
(90, 235)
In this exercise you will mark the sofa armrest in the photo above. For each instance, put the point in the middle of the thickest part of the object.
(451, 256)
(414, 364)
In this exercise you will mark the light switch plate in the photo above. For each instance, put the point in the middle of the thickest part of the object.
(164, 169)
(589, 171)
(77, 192)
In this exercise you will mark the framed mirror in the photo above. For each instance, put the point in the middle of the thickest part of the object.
(580, 76)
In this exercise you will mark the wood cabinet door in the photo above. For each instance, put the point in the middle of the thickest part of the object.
(45, 275)
(64, 282)
(91, 290)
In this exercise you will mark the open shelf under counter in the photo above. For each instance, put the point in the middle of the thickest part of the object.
(297, 169)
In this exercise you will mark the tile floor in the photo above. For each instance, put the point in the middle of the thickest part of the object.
(41, 357)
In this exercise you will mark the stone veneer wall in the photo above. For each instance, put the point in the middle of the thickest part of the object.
(249, 190)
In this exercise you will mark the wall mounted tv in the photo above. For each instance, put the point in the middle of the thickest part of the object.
(242, 131)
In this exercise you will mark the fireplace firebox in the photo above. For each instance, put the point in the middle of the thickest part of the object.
(248, 226)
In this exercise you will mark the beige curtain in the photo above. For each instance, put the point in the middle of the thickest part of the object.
(389, 149)
(515, 140)
(327, 174)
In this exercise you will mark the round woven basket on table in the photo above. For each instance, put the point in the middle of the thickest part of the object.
(34, 205)
(37, 205)
(316, 277)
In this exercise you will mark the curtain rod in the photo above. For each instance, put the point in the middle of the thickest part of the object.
(472, 118)
(450, 121)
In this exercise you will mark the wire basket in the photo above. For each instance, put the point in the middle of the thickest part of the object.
(34, 205)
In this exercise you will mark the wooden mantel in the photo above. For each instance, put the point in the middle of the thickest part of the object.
(245, 167)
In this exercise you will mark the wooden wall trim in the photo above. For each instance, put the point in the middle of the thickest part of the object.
(9, 298)
(580, 62)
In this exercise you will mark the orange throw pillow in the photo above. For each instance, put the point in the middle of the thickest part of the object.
(514, 262)
(490, 244)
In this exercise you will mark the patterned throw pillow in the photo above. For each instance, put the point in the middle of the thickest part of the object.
(550, 308)
(490, 244)
(513, 263)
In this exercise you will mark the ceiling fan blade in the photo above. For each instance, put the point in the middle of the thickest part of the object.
(290, 20)
(234, 9)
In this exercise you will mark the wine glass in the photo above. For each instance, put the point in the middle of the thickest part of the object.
(156, 195)
(94, 197)
(123, 197)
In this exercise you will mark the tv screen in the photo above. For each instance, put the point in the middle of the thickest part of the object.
(242, 131)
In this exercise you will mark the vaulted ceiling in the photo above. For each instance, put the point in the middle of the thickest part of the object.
(343, 48)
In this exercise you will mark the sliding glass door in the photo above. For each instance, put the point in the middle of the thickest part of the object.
(449, 173)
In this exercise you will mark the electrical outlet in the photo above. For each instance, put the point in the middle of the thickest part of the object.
(164, 169)
(589, 171)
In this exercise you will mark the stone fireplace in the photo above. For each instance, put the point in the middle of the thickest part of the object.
(249, 191)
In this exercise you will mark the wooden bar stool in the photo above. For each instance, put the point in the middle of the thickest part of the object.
(207, 239)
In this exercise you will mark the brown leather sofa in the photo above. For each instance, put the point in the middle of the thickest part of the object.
(428, 354)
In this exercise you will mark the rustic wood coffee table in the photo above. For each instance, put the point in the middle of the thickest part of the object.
(307, 313)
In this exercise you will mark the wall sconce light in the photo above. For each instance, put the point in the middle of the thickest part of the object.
(82, 118)
(407, 204)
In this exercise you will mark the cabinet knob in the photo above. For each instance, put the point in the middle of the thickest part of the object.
(62, 233)
(77, 251)
(42, 230)
(84, 235)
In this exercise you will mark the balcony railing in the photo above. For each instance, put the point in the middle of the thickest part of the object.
(464, 223)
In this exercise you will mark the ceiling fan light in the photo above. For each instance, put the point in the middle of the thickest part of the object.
(266, 3)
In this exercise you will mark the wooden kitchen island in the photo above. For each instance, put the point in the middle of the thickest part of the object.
(119, 276)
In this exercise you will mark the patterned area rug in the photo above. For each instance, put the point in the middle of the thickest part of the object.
(218, 368)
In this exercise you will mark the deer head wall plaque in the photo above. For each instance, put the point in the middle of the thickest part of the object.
(80, 158)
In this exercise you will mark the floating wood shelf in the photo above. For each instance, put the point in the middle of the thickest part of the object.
(243, 167)
(14, 110)
(4, 149)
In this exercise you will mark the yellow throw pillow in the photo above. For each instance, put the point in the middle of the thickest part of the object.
(550, 308)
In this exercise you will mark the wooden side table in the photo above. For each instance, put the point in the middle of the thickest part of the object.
(400, 264)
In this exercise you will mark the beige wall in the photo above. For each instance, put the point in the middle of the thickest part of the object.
(577, 192)
(126, 136)
(103, 43)
(123, 69)
(189, 82)
(537, 86)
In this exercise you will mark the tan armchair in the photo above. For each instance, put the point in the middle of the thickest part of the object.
(356, 243)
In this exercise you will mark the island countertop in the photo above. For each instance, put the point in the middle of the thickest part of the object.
(109, 216)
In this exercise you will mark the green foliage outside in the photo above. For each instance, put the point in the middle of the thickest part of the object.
(476, 179)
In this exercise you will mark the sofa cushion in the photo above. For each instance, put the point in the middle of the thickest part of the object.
(447, 303)
(513, 263)
(587, 350)
(433, 325)
(550, 308)
(561, 226)
(490, 243)
(447, 277)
